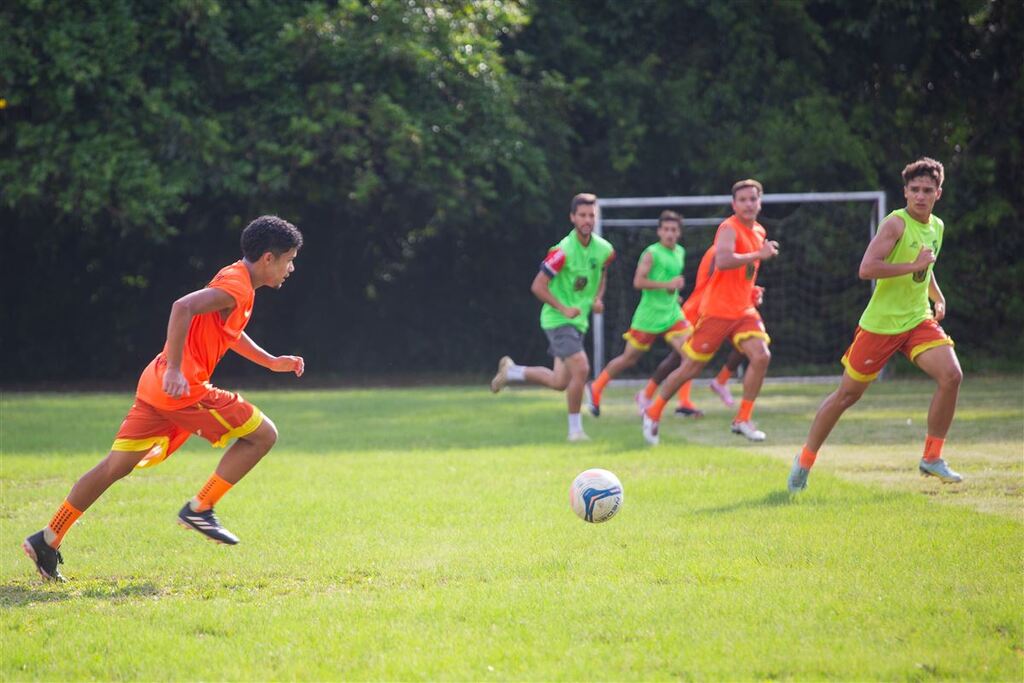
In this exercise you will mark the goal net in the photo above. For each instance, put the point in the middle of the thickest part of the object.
(813, 297)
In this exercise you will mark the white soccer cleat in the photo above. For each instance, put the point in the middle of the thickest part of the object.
(576, 437)
(723, 393)
(939, 468)
(642, 402)
(500, 380)
(749, 430)
(650, 430)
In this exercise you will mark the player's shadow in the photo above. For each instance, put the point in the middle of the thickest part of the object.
(23, 595)
(773, 499)
(778, 499)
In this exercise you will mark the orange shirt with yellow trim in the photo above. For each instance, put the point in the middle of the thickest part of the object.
(729, 293)
(210, 335)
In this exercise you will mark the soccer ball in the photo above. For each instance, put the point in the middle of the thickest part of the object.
(595, 495)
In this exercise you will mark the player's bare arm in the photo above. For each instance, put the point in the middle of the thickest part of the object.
(541, 289)
(874, 266)
(182, 311)
(250, 350)
(938, 300)
(642, 281)
(726, 257)
(598, 306)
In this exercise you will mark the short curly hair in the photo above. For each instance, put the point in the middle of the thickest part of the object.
(925, 166)
(269, 233)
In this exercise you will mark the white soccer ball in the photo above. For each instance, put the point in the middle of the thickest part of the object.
(595, 495)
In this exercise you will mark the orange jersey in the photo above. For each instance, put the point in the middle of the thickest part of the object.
(729, 293)
(691, 307)
(209, 337)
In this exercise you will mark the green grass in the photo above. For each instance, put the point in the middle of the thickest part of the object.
(426, 534)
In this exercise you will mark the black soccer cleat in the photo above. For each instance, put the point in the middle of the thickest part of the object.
(688, 411)
(207, 524)
(45, 557)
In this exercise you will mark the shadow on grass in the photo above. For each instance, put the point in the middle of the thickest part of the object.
(773, 499)
(23, 595)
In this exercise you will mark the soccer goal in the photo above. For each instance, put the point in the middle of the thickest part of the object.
(813, 296)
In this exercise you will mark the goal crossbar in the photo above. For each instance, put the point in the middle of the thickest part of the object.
(874, 197)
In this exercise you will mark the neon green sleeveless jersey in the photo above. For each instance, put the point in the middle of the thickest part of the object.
(900, 303)
(575, 272)
(659, 308)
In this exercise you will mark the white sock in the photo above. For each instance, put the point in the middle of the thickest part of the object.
(575, 423)
(517, 373)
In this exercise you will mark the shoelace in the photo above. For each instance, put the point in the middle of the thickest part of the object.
(60, 558)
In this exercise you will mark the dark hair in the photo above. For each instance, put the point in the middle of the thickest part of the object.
(749, 182)
(269, 233)
(669, 215)
(925, 166)
(582, 198)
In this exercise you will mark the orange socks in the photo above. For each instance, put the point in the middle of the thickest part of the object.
(211, 492)
(807, 458)
(598, 385)
(649, 390)
(656, 407)
(746, 410)
(723, 375)
(684, 395)
(933, 448)
(67, 514)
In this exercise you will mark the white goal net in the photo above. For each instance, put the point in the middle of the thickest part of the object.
(813, 296)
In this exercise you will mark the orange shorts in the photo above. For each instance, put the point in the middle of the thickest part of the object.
(869, 352)
(643, 340)
(709, 334)
(218, 417)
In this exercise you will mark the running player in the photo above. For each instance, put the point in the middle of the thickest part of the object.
(727, 312)
(175, 399)
(691, 308)
(659, 277)
(898, 317)
(570, 284)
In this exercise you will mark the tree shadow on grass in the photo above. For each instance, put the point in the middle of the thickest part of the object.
(25, 594)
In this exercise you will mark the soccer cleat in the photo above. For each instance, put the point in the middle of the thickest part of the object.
(500, 380)
(207, 524)
(939, 468)
(576, 437)
(588, 396)
(749, 430)
(45, 556)
(689, 411)
(797, 477)
(723, 393)
(642, 402)
(650, 430)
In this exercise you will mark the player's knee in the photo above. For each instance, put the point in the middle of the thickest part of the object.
(760, 358)
(118, 467)
(848, 398)
(266, 435)
(951, 377)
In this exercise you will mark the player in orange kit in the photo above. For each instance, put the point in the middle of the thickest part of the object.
(175, 399)
(727, 312)
(691, 310)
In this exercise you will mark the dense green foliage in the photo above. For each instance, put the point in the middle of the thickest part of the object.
(428, 151)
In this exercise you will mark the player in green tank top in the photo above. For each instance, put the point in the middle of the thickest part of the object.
(899, 317)
(659, 277)
(570, 284)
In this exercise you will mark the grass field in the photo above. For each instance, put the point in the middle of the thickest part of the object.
(426, 534)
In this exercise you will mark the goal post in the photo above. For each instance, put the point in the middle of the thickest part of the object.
(790, 289)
